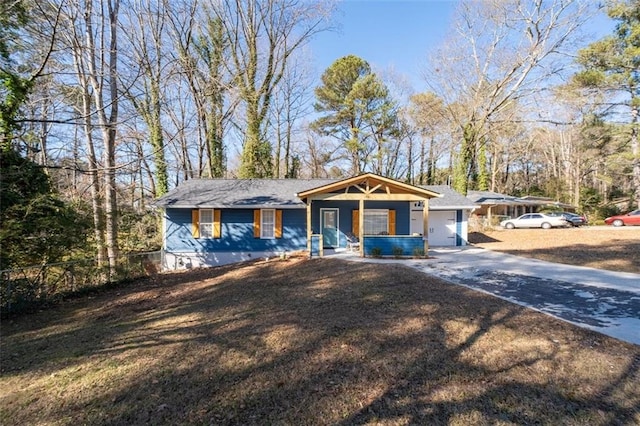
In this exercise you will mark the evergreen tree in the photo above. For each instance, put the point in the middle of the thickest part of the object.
(357, 108)
(612, 64)
(14, 88)
(37, 226)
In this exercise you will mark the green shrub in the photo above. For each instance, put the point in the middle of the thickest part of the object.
(418, 252)
(397, 252)
(375, 252)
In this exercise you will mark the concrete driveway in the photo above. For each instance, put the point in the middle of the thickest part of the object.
(605, 301)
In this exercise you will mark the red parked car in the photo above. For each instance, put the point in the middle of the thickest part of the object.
(631, 218)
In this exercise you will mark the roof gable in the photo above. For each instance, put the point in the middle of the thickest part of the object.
(368, 184)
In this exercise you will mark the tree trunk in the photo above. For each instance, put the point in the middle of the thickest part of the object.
(85, 109)
(104, 66)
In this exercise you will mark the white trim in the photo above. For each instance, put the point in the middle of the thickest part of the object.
(200, 222)
(263, 227)
(164, 231)
(337, 211)
(453, 208)
(415, 208)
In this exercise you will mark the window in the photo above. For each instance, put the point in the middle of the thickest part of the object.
(376, 222)
(206, 223)
(267, 223)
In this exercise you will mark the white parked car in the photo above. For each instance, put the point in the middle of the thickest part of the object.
(535, 220)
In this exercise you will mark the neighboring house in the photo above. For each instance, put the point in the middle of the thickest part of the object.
(543, 203)
(217, 221)
(494, 207)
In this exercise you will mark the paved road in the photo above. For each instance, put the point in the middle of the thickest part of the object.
(605, 301)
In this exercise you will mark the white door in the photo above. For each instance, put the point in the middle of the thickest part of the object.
(417, 224)
(442, 228)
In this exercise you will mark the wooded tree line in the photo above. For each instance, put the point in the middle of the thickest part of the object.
(119, 101)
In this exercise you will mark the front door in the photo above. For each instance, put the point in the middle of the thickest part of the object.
(329, 226)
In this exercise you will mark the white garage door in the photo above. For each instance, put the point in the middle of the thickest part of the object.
(442, 227)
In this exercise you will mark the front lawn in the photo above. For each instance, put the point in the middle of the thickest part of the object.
(309, 342)
(600, 247)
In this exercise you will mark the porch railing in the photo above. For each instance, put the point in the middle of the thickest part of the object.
(393, 245)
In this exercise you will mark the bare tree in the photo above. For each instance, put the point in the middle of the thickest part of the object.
(291, 104)
(503, 52)
(428, 116)
(181, 120)
(93, 37)
(263, 34)
(144, 31)
(202, 48)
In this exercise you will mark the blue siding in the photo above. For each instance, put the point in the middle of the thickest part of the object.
(237, 229)
(387, 243)
(402, 208)
(237, 233)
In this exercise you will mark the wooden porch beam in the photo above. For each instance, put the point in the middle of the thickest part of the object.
(370, 197)
(375, 188)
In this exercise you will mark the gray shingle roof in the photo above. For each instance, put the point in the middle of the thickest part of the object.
(280, 193)
(450, 198)
(495, 198)
(491, 198)
(239, 193)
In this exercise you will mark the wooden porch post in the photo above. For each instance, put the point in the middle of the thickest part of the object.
(361, 226)
(425, 225)
(309, 226)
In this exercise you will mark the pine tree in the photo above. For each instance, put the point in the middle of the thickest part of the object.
(612, 64)
(357, 107)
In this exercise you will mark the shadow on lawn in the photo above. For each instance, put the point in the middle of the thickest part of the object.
(619, 255)
(317, 342)
(480, 238)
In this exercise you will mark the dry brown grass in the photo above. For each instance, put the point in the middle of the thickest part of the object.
(309, 342)
(615, 249)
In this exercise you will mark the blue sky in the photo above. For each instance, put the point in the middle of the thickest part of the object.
(395, 34)
(386, 33)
